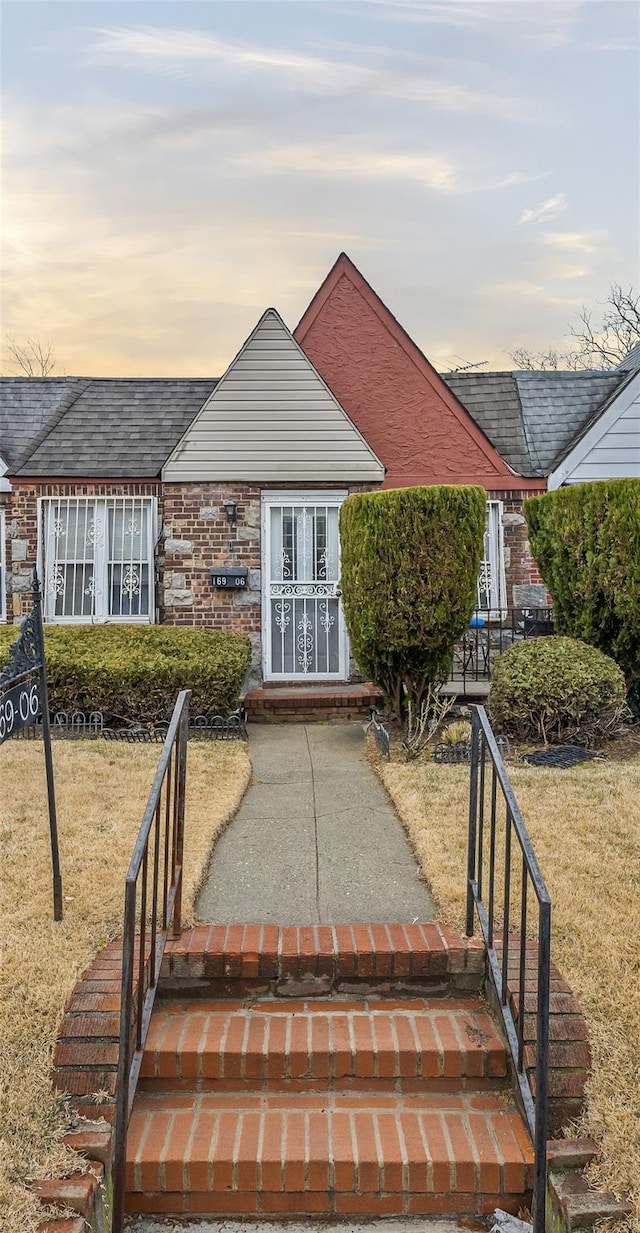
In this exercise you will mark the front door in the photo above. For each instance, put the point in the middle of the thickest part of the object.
(304, 635)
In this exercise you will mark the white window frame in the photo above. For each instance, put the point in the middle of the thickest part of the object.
(101, 597)
(3, 566)
(492, 565)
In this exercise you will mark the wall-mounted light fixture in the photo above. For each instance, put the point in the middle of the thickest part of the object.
(231, 510)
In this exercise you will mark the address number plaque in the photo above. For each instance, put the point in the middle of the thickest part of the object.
(229, 579)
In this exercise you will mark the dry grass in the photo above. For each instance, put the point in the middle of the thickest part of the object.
(101, 793)
(585, 826)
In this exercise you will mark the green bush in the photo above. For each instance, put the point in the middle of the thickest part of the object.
(555, 689)
(410, 559)
(586, 541)
(132, 673)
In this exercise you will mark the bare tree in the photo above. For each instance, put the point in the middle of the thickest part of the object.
(32, 358)
(597, 345)
(606, 344)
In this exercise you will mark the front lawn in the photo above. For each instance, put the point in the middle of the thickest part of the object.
(101, 791)
(585, 827)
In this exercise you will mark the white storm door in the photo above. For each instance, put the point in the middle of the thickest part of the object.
(303, 624)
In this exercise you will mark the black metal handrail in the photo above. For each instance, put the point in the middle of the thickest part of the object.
(508, 953)
(152, 905)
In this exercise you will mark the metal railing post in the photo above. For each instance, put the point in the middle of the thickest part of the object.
(512, 1002)
(135, 1012)
(473, 819)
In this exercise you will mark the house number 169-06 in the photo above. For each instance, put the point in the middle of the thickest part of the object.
(19, 707)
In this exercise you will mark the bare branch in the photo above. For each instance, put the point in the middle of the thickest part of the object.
(607, 344)
(545, 361)
(598, 345)
(32, 358)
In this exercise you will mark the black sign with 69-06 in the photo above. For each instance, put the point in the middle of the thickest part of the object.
(19, 707)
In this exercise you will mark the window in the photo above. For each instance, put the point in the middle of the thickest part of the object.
(492, 590)
(98, 558)
(3, 568)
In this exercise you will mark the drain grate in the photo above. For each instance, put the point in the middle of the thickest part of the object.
(561, 755)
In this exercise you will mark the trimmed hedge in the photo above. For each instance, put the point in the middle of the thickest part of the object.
(132, 673)
(586, 541)
(410, 559)
(556, 688)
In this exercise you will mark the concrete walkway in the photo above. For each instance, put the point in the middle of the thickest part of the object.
(315, 840)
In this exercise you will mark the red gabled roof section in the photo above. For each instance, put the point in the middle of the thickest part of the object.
(402, 406)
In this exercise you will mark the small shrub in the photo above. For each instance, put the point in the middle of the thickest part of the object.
(132, 673)
(556, 689)
(410, 561)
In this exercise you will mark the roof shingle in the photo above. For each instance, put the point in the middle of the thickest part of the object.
(117, 427)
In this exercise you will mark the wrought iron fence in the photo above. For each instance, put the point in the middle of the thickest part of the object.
(91, 726)
(489, 634)
(152, 907)
(519, 962)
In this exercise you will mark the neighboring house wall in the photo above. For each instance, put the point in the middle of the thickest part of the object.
(525, 588)
(610, 448)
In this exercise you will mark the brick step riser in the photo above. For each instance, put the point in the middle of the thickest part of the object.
(273, 714)
(215, 988)
(318, 1085)
(267, 1205)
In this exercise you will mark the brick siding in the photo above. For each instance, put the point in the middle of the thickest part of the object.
(520, 567)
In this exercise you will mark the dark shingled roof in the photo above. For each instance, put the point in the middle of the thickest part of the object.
(29, 409)
(117, 427)
(555, 407)
(491, 398)
(127, 427)
(532, 417)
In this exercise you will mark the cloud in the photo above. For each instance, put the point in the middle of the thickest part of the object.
(524, 289)
(546, 210)
(351, 161)
(572, 254)
(543, 24)
(179, 51)
(575, 242)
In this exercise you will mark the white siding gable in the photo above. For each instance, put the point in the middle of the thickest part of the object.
(611, 447)
(271, 417)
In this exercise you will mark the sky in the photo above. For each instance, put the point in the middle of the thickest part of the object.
(172, 169)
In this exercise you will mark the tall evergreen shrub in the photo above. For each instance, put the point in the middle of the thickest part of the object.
(586, 541)
(410, 561)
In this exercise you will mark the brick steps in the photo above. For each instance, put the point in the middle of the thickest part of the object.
(310, 703)
(324, 1045)
(334, 1153)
